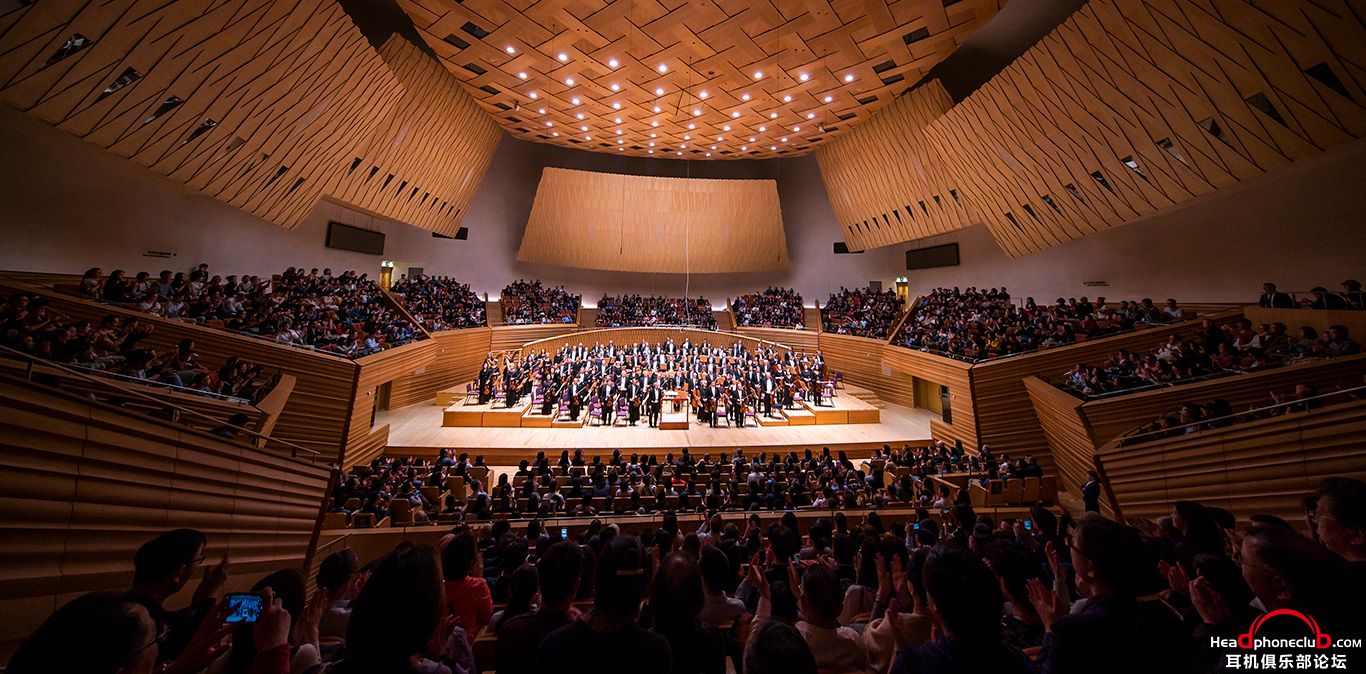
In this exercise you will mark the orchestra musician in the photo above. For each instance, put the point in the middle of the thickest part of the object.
(633, 411)
(653, 403)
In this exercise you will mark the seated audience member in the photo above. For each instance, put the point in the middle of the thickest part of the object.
(608, 640)
(861, 312)
(1353, 295)
(719, 610)
(97, 633)
(965, 600)
(775, 647)
(521, 596)
(676, 600)
(1274, 299)
(1324, 300)
(557, 577)
(531, 302)
(161, 569)
(466, 591)
(770, 308)
(885, 634)
(837, 649)
(339, 580)
(440, 302)
(634, 310)
(1111, 561)
(286, 587)
(399, 622)
(1338, 521)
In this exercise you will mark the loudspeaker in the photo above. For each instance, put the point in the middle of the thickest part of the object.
(463, 233)
(842, 248)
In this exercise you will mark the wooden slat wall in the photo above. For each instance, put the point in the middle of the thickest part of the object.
(620, 336)
(954, 374)
(377, 369)
(1164, 102)
(456, 360)
(1058, 415)
(316, 415)
(514, 336)
(861, 361)
(1262, 466)
(85, 484)
(615, 222)
(805, 340)
(1354, 321)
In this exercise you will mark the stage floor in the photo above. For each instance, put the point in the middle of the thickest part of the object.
(416, 430)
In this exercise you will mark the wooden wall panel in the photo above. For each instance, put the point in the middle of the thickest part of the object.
(456, 360)
(738, 80)
(435, 141)
(615, 222)
(267, 106)
(85, 484)
(861, 361)
(1064, 428)
(1262, 466)
(620, 336)
(374, 370)
(954, 374)
(806, 340)
(514, 336)
(1131, 107)
(317, 412)
(886, 181)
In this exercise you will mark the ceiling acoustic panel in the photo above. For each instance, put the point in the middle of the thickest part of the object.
(613, 222)
(1127, 108)
(697, 79)
(267, 106)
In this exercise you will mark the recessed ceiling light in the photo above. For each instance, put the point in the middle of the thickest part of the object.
(752, 139)
(702, 95)
(744, 147)
(654, 123)
(720, 138)
(587, 137)
(574, 100)
(773, 147)
(849, 77)
(784, 139)
(763, 129)
(618, 132)
(612, 63)
(583, 128)
(810, 115)
(580, 115)
(620, 141)
(651, 151)
(656, 108)
(663, 68)
(653, 136)
(569, 81)
(803, 77)
(652, 143)
(697, 112)
(563, 57)
(510, 49)
(532, 94)
(708, 154)
(550, 123)
(758, 75)
(772, 115)
(621, 149)
(680, 152)
(713, 147)
(735, 115)
(616, 105)
(744, 97)
(829, 98)
(659, 91)
(691, 125)
(522, 75)
(796, 128)
(687, 137)
(682, 145)
(541, 111)
(787, 99)
(726, 128)
(616, 87)
(617, 120)
(555, 133)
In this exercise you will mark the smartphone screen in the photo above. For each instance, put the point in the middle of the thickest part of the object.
(1029, 525)
(916, 526)
(243, 607)
(564, 533)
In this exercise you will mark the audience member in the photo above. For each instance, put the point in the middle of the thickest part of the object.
(440, 302)
(531, 302)
(619, 311)
(861, 312)
(769, 308)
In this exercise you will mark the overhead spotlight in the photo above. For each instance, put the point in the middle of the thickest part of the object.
(617, 120)
(803, 77)
(697, 112)
(849, 77)
(713, 147)
(752, 139)
(580, 115)
(773, 147)
(540, 111)
(616, 87)
(783, 139)
(744, 147)
(735, 115)
(650, 151)
(796, 128)
(612, 63)
(682, 144)
(522, 75)
(663, 68)
(574, 100)
(708, 154)
(583, 128)
(510, 49)
(720, 138)
(618, 132)
(569, 81)
(654, 123)
(550, 123)
(726, 128)
(587, 137)
(787, 99)
(563, 57)
(758, 75)
(829, 98)
(621, 149)
(652, 143)
(744, 97)
(687, 137)
(691, 126)
(702, 95)
(555, 133)
(616, 105)
(653, 135)
(656, 108)
(532, 94)
(659, 91)
(680, 152)
(772, 115)
(810, 115)
(763, 129)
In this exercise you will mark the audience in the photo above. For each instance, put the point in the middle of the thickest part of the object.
(620, 311)
(959, 593)
(770, 308)
(1351, 297)
(440, 303)
(1195, 417)
(531, 302)
(861, 312)
(975, 324)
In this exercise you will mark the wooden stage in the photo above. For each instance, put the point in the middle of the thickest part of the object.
(417, 430)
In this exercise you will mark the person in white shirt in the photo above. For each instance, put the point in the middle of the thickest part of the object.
(837, 649)
(1173, 312)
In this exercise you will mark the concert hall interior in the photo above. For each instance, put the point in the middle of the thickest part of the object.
(691, 337)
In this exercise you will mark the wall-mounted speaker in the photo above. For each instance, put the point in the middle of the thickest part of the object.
(842, 248)
(463, 233)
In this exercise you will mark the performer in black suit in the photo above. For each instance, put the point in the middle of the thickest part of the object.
(653, 403)
(634, 414)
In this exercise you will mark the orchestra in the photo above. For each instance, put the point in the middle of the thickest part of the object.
(620, 383)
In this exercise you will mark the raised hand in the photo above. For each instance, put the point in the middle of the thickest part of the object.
(1176, 577)
(1208, 603)
(272, 625)
(1045, 602)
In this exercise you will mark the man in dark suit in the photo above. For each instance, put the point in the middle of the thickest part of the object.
(1090, 492)
(1273, 299)
(653, 402)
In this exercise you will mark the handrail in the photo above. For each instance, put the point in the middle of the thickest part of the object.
(1174, 430)
(1216, 374)
(294, 449)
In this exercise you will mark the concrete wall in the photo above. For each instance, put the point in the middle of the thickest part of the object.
(66, 206)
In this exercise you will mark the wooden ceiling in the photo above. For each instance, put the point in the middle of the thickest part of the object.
(701, 79)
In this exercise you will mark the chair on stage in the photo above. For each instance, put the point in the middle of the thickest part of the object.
(839, 380)
(563, 408)
(594, 412)
(828, 389)
(623, 410)
(537, 396)
(753, 418)
(470, 392)
(721, 414)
